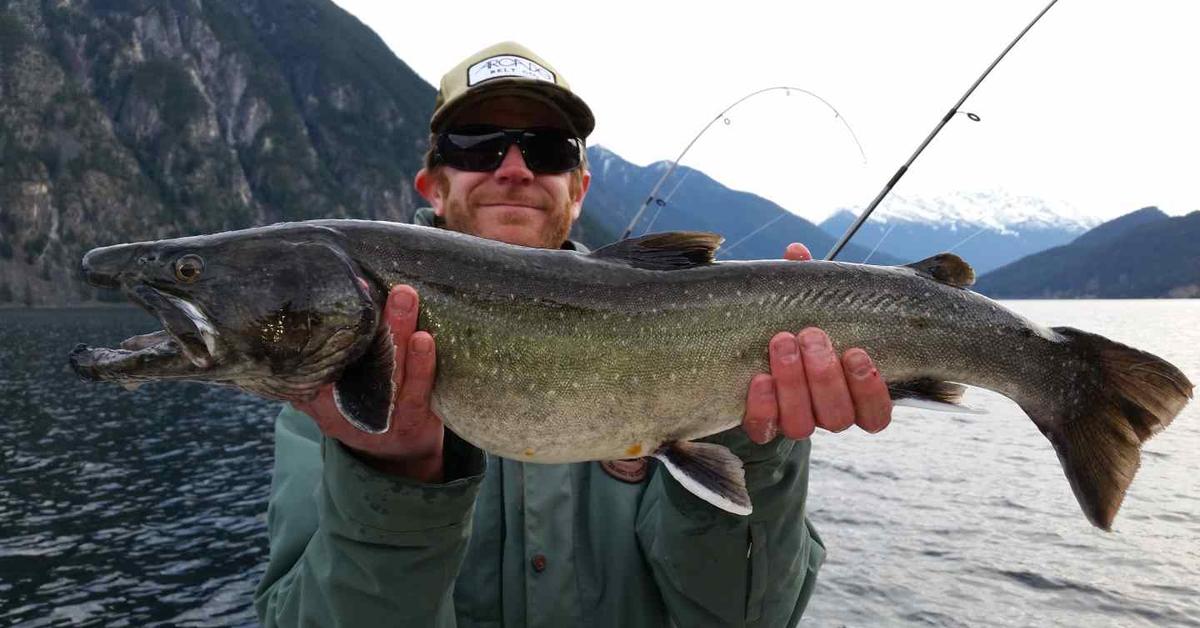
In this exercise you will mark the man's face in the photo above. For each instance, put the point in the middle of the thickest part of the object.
(511, 203)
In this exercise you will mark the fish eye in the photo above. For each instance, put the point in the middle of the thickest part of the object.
(188, 267)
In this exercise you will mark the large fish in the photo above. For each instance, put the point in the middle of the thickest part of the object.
(635, 349)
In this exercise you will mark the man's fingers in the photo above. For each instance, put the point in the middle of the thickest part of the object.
(762, 410)
(832, 407)
(419, 366)
(797, 252)
(791, 389)
(872, 403)
(400, 314)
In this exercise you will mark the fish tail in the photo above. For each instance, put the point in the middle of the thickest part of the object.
(1122, 398)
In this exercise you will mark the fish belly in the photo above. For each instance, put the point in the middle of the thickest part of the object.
(567, 384)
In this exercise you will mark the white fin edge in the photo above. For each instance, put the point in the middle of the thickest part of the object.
(936, 406)
(337, 402)
(701, 491)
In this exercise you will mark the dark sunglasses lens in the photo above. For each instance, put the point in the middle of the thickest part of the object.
(477, 151)
(550, 150)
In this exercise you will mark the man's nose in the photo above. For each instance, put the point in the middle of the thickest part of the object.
(513, 169)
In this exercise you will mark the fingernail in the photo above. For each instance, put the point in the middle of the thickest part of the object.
(786, 350)
(403, 301)
(859, 364)
(769, 433)
(422, 344)
(815, 344)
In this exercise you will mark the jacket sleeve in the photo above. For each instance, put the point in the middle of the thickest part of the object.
(350, 546)
(718, 569)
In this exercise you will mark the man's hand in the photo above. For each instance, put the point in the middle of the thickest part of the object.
(810, 387)
(412, 446)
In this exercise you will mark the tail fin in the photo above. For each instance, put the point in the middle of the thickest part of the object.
(1127, 397)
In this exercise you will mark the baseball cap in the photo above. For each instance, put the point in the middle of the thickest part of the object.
(508, 68)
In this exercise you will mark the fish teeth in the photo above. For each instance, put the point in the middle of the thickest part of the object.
(207, 332)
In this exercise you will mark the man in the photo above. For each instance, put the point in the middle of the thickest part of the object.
(414, 528)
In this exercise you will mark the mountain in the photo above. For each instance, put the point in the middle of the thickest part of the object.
(988, 229)
(754, 227)
(1145, 254)
(1114, 229)
(145, 119)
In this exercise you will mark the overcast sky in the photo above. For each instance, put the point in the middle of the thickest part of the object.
(1097, 109)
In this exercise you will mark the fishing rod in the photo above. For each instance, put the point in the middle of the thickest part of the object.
(652, 197)
(837, 248)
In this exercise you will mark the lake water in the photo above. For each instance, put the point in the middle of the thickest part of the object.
(147, 508)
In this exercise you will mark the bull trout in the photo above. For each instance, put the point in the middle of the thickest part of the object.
(636, 349)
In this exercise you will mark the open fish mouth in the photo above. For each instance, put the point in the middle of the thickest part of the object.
(186, 347)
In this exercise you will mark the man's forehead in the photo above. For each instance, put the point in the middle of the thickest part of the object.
(513, 112)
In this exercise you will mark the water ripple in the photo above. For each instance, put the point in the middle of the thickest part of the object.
(146, 508)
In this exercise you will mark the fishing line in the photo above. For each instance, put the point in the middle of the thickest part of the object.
(967, 239)
(837, 248)
(662, 203)
(723, 115)
(885, 235)
(726, 249)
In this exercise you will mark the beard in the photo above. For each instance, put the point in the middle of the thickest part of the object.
(517, 227)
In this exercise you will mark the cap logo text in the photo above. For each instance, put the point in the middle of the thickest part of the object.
(507, 66)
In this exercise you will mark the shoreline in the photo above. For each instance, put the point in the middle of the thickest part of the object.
(89, 305)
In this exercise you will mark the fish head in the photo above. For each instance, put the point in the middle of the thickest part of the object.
(276, 312)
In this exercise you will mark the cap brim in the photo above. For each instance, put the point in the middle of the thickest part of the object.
(575, 112)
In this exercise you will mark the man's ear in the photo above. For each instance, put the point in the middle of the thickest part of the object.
(585, 181)
(427, 187)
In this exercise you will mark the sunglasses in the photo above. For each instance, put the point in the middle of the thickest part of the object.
(481, 148)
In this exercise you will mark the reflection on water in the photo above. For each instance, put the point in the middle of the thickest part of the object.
(147, 508)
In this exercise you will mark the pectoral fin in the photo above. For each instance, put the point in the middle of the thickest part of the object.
(709, 471)
(365, 390)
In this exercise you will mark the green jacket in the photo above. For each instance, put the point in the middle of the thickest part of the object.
(502, 543)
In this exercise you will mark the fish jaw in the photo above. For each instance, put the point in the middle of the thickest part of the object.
(277, 311)
(186, 348)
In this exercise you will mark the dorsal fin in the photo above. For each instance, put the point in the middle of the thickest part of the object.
(947, 268)
(672, 250)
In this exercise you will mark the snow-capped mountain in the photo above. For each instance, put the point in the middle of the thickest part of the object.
(988, 229)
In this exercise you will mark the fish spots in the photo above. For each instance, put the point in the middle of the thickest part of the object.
(918, 322)
(634, 450)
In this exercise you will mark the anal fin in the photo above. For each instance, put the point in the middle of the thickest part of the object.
(927, 389)
(365, 389)
(711, 472)
(930, 394)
